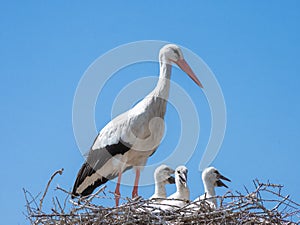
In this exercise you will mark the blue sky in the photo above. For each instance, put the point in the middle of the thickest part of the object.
(251, 46)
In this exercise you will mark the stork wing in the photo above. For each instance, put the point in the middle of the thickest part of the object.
(96, 171)
(89, 176)
(120, 135)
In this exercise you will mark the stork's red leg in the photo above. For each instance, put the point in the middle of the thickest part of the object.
(136, 183)
(117, 191)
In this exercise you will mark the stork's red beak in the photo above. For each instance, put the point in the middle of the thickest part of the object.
(186, 68)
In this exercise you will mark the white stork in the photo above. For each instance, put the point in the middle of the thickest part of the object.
(211, 178)
(182, 194)
(162, 176)
(129, 139)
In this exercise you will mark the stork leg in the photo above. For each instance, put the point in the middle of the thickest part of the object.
(136, 183)
(117, 191)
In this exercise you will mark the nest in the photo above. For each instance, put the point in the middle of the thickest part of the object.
(264, 205)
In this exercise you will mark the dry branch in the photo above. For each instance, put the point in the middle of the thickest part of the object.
(48, 184)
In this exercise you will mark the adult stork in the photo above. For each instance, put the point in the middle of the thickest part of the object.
(129, 139)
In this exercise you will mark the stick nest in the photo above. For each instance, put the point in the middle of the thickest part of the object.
(264, 205)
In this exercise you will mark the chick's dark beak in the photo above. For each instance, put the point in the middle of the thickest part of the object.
(171, 180)
(183, 178)
(224, 178)
(220, 183)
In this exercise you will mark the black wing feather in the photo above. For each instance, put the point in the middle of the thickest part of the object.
(95, 160)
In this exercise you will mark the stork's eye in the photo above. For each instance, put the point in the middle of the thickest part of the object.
(176, 52)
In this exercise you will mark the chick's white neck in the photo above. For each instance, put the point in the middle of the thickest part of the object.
(209, 190)
(160, 190)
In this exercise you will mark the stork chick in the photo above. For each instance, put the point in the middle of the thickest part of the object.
(162, 176)
(182, 194)
(211, 178)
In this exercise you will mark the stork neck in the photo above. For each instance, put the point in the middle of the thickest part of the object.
(163, 85)
(160, 189)
(165, 69)
(183, 191)
(209, 190)
(180, 187)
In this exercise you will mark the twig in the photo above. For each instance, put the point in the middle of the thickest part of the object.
(48, 184)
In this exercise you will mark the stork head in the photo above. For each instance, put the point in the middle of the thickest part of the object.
(172, 54)
(181, 176)
(212, 176)
(163, 174)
